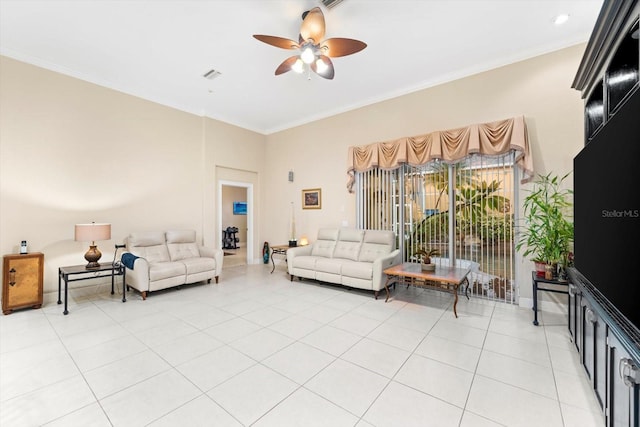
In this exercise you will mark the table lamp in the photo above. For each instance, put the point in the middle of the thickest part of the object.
(91, 233)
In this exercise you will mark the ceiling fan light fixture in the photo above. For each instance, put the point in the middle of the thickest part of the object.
(298, 66)
(308, 55)
(315, 50)
(321, 67)
(561, 18)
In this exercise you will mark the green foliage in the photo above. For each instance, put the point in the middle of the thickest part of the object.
(478, 206)
(496, 228)
(478, 210)
(426, 254)
(547, 233)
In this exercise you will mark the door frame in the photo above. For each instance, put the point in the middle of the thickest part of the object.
(249, 187)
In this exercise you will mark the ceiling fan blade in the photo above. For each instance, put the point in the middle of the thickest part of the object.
(286, 65)
(313, 26)
(336, 47)
(329, 72)
(277, 41)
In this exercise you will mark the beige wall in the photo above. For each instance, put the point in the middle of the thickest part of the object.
(539, 89)
(232, 154)
(71, 151)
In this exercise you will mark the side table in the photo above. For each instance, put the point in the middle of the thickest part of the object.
(75, 273)
(536, 281)
(278, 250)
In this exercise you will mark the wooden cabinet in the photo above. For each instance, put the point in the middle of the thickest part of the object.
(609, 353)
(575, 302)
(610, 70)
(607, 340)
(22, 281)
(594, 349)
(623, 394)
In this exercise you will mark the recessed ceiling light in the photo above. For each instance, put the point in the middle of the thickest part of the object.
(561, 19)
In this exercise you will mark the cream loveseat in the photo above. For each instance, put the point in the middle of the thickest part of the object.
(346, 256)
(166, 259)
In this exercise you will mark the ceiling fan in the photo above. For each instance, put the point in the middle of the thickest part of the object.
(315, 52)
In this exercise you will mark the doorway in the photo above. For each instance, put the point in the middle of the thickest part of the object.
(235, 222)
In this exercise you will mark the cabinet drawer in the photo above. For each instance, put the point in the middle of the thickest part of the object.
(22, 281)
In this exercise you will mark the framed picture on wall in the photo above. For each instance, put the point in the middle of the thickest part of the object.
(312, 198)
(239, 208)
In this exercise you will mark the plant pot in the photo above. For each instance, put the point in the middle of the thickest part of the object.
(540, 268)
(427, 267)
(548, 271)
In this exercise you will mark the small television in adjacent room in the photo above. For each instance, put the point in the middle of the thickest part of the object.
(239, 208)
(607, 210)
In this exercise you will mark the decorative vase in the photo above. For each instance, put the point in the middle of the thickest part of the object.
(548, 272)
(292, 230)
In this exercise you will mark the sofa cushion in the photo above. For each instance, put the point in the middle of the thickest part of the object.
(329, 265)
(199, 265)
(348, 244)
(164, 270)
(328, 234)
(326, 242)
(149, 245)
(376, 243)
(306, 262)
(181, 236)
(146, 238)
(360, 270)
(180, 251)
(152, 254)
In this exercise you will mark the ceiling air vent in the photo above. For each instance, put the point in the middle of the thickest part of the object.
(331, 3)
(211, 74)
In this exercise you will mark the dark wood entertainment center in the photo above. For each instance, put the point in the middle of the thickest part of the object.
(607, 341)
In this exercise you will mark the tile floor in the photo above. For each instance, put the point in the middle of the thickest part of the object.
(258, 350)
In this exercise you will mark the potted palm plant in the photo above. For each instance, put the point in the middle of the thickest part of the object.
(547, 233)
(425, 255)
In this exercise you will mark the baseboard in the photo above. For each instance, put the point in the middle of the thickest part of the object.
(525, 302)
(544, 305)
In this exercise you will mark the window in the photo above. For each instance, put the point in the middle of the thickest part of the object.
(464, 210)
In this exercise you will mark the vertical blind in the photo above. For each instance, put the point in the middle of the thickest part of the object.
(418, 204)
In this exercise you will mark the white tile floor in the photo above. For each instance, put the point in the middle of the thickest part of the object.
(259, 350)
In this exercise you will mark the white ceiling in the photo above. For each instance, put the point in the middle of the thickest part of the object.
(159, 50)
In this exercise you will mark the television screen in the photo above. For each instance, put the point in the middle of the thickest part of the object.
(239, 208)
(607, 210)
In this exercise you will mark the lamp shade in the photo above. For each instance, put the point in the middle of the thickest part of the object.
(92, 232)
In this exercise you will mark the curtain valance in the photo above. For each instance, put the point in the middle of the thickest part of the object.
(493, 138)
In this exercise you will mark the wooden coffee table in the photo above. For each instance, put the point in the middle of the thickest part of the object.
(447, 279)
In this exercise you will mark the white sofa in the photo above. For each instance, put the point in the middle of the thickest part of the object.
(168, 259)
(346, 256)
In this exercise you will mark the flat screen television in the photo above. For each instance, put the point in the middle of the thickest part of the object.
(239, 208)
(607, 210)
